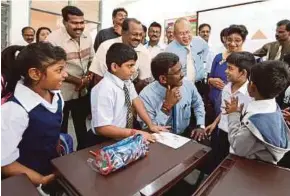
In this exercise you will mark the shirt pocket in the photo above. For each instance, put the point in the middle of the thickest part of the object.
(185, 110)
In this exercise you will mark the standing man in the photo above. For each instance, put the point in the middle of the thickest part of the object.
(169, 34)
(204, 32)
(131, 36)
(144, 40)
(154, 45)
(192, 53)
(28, 34)
(278, 49)
(80, 52)
(118, 16)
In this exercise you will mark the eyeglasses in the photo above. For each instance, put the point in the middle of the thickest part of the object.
(183, 34)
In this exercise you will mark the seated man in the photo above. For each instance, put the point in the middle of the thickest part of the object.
(114, 98)
(169, 99)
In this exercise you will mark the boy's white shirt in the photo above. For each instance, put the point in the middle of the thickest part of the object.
(243, 96)
(108, 101)
(15, 119)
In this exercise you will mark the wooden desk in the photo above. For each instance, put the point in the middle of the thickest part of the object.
(152, 175)
(18, 185)
(242, 177)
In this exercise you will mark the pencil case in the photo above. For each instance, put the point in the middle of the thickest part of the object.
(120, 154)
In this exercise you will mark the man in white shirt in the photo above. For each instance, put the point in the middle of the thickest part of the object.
(131, 36)
(154, 45)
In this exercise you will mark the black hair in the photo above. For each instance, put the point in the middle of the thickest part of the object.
(125, 25)
(270, 78)
(26, 28)
(120, 53)
(204, 25)
(70, 10)
(239, 29)
(144, 28)
(242, 60)
(38, 32)
(37, 55)
(120, 9)
(288, 27)
(161, 64)
(8, 72)
(283, 22)
(155, 24)
(223, 33)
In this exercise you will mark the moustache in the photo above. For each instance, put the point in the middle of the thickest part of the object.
(78, 29)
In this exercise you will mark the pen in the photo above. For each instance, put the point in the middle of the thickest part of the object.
(92, 153)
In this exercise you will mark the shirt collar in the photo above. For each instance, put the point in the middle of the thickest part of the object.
(117, 81)
(68, 37)
(262, 106)
(158, 88)
(28, 98)
(243, 89)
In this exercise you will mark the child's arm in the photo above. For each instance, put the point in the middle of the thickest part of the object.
(36, 178)
(142, 113)
(240, 137)
(210, 128)
(120, 133)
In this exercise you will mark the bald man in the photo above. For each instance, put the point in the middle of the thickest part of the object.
(192, 53)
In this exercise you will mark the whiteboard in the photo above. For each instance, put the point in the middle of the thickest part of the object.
(262, 16)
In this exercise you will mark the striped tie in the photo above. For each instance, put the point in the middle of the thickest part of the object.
(129, 116)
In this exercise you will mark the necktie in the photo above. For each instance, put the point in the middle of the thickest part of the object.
(190, 72)
(129, 116)
(174, 123)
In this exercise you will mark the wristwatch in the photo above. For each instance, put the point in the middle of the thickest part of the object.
(201, 126)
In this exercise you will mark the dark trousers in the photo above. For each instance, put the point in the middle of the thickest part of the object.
(79, 109)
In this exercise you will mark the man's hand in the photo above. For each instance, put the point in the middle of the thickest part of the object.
(286, 115)
(233, 106)
(198, 134)
(147, 136)
(217, 83)
(173, 95)
(157, 129)
(85, 81)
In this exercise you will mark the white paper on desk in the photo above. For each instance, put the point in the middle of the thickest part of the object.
(170, 139)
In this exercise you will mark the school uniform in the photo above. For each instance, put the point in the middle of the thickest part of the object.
(108, 105)
(30, 129)
(260, 132)
(223, 147)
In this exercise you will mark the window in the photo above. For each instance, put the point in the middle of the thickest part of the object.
(5, 24)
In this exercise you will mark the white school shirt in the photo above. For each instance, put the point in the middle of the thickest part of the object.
(243, 96)
(108, 102)
(14, 119)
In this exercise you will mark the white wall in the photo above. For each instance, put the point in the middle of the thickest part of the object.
(19, 18)
(148, 11)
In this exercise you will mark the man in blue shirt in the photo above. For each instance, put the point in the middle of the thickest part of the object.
(169, 99)
(192, 53)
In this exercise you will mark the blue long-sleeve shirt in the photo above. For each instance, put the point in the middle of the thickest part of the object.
(199, 52)
(153, 97)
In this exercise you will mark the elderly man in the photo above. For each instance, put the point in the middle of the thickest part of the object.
(131, 35)
(192, 53)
